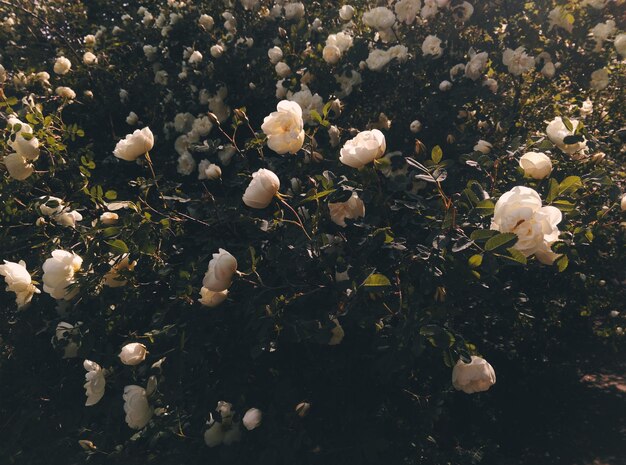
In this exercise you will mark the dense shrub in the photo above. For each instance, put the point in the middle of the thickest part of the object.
(359, 267)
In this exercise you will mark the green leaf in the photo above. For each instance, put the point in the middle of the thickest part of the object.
(570, 185)
(485, 207)
(316, 116)
(553, 190)
(319, 195)
(118, 246)
(376, 280)
(517, 256)
(564, 205)
(436, 154)
(562, 263)
(501, 240)
(482, 234)
(475, 261)
(567, 123)
(110, 195)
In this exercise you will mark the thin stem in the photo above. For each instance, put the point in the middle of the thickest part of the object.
(299, 222)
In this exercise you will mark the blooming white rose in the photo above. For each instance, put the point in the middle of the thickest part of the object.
(586, 108)
(378, 59)
(294, 10)
(379, 18)
(275, 54)
(331, 54)
(134, 145)
(517, 61)
(366, 147)
(113, 278)
(462, 12)
(68, 218)
(432, 46)
(220, 272)
(95, 382)
(601, 32)
(262, 189)
(560, 18)
(519, 211)
(483, 146)
(206, 22)
(477, 64)
(58, 274)
(89, 59)
(599, 79)
(597, 4)
(282, 69)
(284, 128)
(537, 165)
(225, 432)
(476, 376)
(62, 65)
(133, 354)
(65, 92)
(308, 103)
(89, 40)
(136, 406)
(620, 44)
(210, 298)
(352, 209)
(445, 86)
(195, 57)
(19, 168)
(109, 218)
(252, 419)
(18, 280)
(24, 143)
(346, 12)
(407, 10)
(186, 164)
(557, 132)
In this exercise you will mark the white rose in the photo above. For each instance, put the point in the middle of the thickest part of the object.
(407, 10)
(491, 84)
(331, 54)
(113, 278)
(252, 419)
(352, 209)
(275, 54)
(89, 40)
(284, 128)
(195, 57)
(133, 354)
(378, 59)
(537, 165)
(62, 65)
(483, 146)
(65, 92)
(68, 218)
(366, 147)
(379, 18)
(620, 44)
(557, 132)
(134, 145)
(622, 203)
(445, 86)
(282, 69)
(89, 59)
(58, 274)
(560, 18)
(109, 218)
(51, 206)
(416, 126)
(132, 118)
(18, 280)
(463, 12)
(208, 170)
(476, 376)
(346, 12)
(210, 298)
(517, 61)
(586, 108)
(95, 382)
(519, 211)
(19, 168)
(308, 102)
(25, 144)
(262, 189)
(206, 22)
(476, 66)
(214, 436)
(136, 406)
(599, 79)
(432, 46)
(220, 272)
(294, 10)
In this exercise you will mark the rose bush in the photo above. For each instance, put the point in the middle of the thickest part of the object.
(338, 215)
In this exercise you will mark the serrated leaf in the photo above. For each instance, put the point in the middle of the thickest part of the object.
(517, 256)
(481, 235)
(501, 240)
